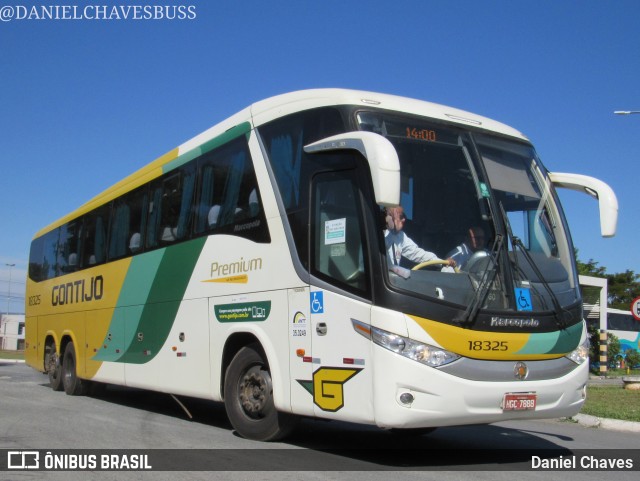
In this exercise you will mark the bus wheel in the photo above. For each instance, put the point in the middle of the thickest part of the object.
(248, 398)
(73, 385)
(53, 367)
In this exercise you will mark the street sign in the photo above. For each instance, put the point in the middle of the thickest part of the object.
(635, 308)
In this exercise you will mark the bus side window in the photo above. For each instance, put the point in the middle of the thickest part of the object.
(229, 209)
(128, 224)
(119, 230)
(49, 258)
(94, 242)
(170, 209)
(228, 195)
(183, 227)
(137, 201)
(36, 255)
(153, 215)
(284, 140)
(70, 240)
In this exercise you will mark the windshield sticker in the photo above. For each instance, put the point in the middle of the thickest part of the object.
(335, 231)
(523, 299)
(484, 190)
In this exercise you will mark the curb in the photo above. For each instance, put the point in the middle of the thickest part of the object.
(11, 361)
(604, 423)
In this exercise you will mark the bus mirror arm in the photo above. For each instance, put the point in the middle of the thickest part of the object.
(380, 154)
(607, 199)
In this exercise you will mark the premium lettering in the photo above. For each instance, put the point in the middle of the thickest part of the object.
(238, 267)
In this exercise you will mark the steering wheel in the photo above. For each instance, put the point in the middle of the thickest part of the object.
(433, 262)
(475, 262)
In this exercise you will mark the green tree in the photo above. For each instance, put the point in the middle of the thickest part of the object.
(589, 268)
(632, 358)
(613, 349)
(594, 343)
(624, 287)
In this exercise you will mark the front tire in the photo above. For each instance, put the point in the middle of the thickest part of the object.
(248, 398)
(73, 385)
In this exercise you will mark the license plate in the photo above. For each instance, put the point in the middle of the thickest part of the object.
(519, 402)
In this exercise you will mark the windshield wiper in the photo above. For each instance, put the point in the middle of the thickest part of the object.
(558, 312)
(469, 315)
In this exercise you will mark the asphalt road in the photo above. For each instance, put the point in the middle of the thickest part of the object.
(33, 417)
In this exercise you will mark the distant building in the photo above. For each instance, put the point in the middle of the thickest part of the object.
(12, 332)
(606, 320)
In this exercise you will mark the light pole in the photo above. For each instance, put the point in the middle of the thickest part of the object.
(4, 335)
(10, 266)
(626, 112)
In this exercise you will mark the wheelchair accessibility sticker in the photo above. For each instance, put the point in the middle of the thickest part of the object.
(317, 302)
(523, 299)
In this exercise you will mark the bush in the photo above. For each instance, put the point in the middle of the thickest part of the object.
(632, 358)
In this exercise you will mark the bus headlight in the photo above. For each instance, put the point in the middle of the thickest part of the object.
(580, 354)
(424, 353)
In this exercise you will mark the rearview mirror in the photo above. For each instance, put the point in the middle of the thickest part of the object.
(380, 154)
(607, 199)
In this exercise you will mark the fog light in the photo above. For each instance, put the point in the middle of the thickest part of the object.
(406, 398)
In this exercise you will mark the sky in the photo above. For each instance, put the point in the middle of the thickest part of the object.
(85, 102)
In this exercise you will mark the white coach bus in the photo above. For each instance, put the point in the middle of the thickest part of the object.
(265, 264)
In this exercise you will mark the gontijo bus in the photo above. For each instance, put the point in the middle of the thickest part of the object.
(249, 266)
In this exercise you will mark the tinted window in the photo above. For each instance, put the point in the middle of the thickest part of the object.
(284, 140)
(94, 244)
(69, 246)
(229, 200)
(163, 212)
(338, 235)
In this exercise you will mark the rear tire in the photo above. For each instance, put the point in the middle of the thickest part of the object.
(53, 366)
(248, 398)
(73, 385)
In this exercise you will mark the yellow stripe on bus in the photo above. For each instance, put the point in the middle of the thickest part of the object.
(481, 344)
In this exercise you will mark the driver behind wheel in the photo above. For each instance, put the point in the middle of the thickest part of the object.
(475, 240)
(399, 244)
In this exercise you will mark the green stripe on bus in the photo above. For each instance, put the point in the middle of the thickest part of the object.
(556, 342)
(568, 339)
(151, 294)
(234, 132)
(133, 295)
(166, 294)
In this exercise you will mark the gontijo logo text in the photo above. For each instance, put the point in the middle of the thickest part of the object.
(82, 290)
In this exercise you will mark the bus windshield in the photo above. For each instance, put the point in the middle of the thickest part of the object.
(482, 203)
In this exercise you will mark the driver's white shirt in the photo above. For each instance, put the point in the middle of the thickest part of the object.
(399, 245)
